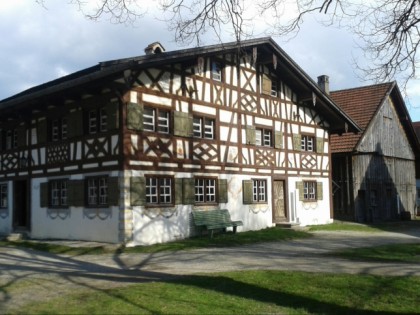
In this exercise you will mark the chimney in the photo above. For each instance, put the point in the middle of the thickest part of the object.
(154, 48)
(324, 83)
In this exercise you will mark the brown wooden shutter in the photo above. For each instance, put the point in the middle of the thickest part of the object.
(320, 145)
(178, 191)
(112, 115)
(223, 190)
(278, 140)
(248, 192)
(113, 191)
(299, 185)
(76, 193)
(42, 131)
(75, 124)
(183, 124)
(137, 191)
(250, 135)
(297, 142)
(135, 116)
(21, 135)
(266, 84)
(188, 191)
(44, 195)
(319, 191)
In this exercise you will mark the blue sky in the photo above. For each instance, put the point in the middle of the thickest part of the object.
(39, 44)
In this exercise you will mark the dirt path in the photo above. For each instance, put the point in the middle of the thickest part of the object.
(28, 276)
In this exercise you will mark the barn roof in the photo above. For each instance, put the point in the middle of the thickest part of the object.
(362, 104)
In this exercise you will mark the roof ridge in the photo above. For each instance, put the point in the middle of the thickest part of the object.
(365, 87)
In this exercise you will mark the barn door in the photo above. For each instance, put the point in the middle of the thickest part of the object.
(279, 200)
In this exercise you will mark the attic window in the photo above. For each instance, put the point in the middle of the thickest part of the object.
(216, 71)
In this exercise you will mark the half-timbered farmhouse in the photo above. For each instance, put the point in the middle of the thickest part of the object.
(125, 150)
(374, 172)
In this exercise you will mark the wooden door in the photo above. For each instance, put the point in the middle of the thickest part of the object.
(21, 214)
(279, 199)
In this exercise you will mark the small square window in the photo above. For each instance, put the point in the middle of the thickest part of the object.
(205, 190)
(159, 190)
(309, 191)
(203, 127)
(263, 137)
(308, 143)
(97, 191)
(259, 190)
(216, 71)
(58, 193)
(156, 120)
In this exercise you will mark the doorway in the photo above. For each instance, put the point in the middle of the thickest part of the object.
(21, 211)
(279, 200)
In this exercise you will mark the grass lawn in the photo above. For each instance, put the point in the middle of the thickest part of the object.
(219, 240)
(247, 292)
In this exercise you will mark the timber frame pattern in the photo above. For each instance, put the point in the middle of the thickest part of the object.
(260, 109)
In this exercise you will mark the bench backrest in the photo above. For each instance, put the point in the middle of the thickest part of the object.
(211, 217)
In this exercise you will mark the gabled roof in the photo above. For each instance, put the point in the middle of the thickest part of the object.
(362, 104)
(110, 71)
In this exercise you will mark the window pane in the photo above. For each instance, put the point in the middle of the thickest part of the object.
(64, 128)
(103, 120)
(216, 71)
(267, 138)
(165, 190)
(54, 130)
(258, 136)
(210, 190)
(92, 122)
(262, 190)
(163, 122)
(64, 193)
(151, 190)
(197, 127)
(92, 192)
(103, 191)
(199, 190)
(149, 119)
(209, 129)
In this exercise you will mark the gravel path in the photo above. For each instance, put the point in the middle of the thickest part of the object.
(29, 276)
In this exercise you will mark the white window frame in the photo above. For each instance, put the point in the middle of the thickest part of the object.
(216, 71)
(58, 193)
(205, 190)
(263, 137)
(97, 191)
(159, 190)
(156, 120)
(203, 127)
(309, 191)
(259, 190)
(307, 143)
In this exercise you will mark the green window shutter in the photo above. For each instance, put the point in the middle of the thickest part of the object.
(266, 84)
(112, 115)
(250, 135)
(178, 191)
(320, 145)
(183, 124)
(113, 191)
(188, 191)
(42, 131)
(135, 116)
(247, 190)
(299, 185)
(278, 140)
(297, 142)
(44, 195)
(223, 190)
(76, 193)
(21, 136)
(75, 124)
(319, 191)
(137, 191)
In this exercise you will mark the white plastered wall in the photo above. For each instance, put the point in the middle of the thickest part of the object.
(76, 223)
(309, 213)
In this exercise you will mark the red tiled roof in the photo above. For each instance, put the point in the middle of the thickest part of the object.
(360, 104)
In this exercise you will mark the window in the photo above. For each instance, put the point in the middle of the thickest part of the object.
(3, 196)
(263, 137)
(10, 139)
(307, 143)
(59, 129)
(158, 190)
(97, 191)
(216, 71)
(97, 121)
(205, 190)
(58, 193)
(203, 127)
(259, 189)
(274, 88)
(155, 119)
(309, 191)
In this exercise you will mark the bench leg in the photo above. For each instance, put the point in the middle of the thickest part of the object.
(234, 229)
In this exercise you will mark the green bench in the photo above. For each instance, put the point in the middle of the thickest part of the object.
(217, 219)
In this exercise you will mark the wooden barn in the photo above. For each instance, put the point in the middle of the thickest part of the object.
(374, 172)
(126, 150)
